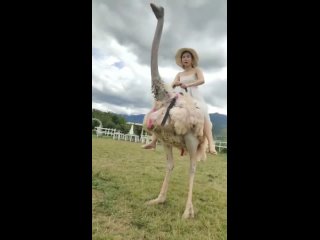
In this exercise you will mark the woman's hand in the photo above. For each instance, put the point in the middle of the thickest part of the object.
(183, 85)
(176, 84)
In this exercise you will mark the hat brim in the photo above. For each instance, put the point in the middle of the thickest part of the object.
(195, 58)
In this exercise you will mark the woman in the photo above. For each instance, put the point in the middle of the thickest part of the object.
(187, 82)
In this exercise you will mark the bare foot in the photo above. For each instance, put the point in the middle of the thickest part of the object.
(212, 149)
(149, 146)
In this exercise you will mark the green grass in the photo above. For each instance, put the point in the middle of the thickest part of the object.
(124, 177)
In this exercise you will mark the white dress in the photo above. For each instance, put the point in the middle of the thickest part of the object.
(193, 92)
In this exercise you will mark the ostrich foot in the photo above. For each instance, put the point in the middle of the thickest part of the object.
(156, 201)
(158, 11)
(188, 213)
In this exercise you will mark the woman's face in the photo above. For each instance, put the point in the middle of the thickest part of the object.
(186, 59)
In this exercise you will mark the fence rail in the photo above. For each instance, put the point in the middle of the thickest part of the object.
(145, 138)
(220, 145)
(117, 135)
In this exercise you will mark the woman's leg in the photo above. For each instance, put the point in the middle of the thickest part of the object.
(152, 144)
(208, 134)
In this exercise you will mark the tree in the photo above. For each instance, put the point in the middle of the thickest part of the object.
(110, 120)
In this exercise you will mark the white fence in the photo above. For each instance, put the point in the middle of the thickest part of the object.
(118, 135)
(144, 138)
(220, 145)
(105, 131)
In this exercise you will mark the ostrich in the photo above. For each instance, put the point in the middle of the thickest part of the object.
(175, 119)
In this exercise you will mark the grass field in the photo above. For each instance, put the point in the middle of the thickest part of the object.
(124, 177)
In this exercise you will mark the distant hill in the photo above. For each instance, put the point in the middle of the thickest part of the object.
(133, 118)
(219, 121)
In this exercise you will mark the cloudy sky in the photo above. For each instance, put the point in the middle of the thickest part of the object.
(122, 34)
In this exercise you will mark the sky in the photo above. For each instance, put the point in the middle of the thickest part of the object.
(122, 34)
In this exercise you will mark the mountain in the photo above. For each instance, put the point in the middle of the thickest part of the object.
(133, 118)
(219, 121)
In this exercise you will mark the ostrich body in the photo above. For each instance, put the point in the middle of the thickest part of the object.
(182, 128)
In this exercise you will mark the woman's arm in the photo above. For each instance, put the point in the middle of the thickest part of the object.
(199, 81)
(176, 81)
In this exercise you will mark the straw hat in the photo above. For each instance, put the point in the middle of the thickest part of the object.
(195, 57)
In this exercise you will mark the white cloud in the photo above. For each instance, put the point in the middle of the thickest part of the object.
(122, 32)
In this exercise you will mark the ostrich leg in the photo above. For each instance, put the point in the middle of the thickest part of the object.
(192, 144)
(163, 192)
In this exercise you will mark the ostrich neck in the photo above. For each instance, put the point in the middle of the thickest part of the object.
(157, 85)
(154, 51)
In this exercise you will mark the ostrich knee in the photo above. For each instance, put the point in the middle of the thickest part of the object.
(170, 166)
(192, 169)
